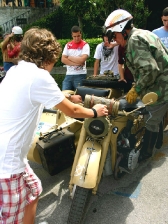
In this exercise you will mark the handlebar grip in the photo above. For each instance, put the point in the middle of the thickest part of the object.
(49, 111)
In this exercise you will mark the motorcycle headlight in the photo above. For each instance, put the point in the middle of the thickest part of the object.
(97, 127)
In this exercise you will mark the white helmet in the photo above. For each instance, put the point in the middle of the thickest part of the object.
(117, 20)
(17, 30)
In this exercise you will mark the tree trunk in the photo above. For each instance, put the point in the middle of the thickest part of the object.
(80, 22)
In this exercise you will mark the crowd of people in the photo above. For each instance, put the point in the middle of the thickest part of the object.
(137, 55)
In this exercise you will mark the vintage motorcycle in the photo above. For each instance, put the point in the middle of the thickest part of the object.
(53, 120)
(118, 136)
(109, 144)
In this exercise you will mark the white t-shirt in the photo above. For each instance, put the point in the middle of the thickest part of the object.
(24, 92)
(107, 63)
(76, 49)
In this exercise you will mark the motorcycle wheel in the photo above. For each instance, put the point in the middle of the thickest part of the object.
(78, 206)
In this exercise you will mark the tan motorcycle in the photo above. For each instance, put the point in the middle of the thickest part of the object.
(118, 136)
(53, 120)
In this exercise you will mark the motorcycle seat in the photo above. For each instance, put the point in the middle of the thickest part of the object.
(83, 90)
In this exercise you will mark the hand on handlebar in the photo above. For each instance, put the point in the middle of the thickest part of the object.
(131, 95)
(122, 79)
(101, 110)
(76, 98)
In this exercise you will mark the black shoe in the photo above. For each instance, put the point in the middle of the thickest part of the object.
(144, 157)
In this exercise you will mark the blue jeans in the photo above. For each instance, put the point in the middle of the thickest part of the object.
(71, 82)
(7, 66)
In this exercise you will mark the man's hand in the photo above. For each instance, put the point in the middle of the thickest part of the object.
(122, 79)
(76, 98)
(101, 110)
(131, 95)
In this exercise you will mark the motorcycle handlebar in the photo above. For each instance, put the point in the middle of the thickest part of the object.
(115, 106)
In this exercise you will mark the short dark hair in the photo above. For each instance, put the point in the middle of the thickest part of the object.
(17, 37)
(104, 35)
(165, 12)
(75, 29)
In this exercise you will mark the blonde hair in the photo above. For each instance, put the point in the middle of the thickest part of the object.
(39, 46)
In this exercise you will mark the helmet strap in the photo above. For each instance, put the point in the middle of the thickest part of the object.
(125, 35)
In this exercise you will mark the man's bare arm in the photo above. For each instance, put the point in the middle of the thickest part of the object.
(6, 41)
(78, 59)
(66, 61)
(121, 72)
(96, 67)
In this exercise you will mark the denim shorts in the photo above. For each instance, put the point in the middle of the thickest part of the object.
(7, 66)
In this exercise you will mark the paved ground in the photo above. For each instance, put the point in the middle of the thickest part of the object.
(139, 198)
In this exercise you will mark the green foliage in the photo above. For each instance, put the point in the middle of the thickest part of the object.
(58, 22)
(1, 58)
(92, 43)
(59, 79)
(78, 9)
(1, 32)
(90, 16)
(138, 10)
(95, 12)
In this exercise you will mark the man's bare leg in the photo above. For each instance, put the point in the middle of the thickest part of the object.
(30, 212)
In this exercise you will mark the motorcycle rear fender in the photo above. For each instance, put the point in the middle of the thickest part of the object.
(87, 168)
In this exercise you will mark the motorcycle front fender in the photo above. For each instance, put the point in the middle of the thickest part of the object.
(87, 168)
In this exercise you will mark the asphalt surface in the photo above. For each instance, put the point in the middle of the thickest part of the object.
(138, 198)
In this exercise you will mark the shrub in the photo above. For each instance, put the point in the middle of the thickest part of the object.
(59, 79)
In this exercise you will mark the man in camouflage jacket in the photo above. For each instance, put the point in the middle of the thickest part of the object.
(147, 59)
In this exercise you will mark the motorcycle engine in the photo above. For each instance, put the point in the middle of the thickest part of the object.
(129, 143)
(97, 127)
(133, 159)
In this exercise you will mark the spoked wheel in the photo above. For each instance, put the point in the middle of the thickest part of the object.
(78, 206)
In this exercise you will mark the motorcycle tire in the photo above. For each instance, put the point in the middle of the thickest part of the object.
(78, 205)
(104, 83)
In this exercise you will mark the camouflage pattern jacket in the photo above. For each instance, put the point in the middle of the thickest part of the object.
(147, 59)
